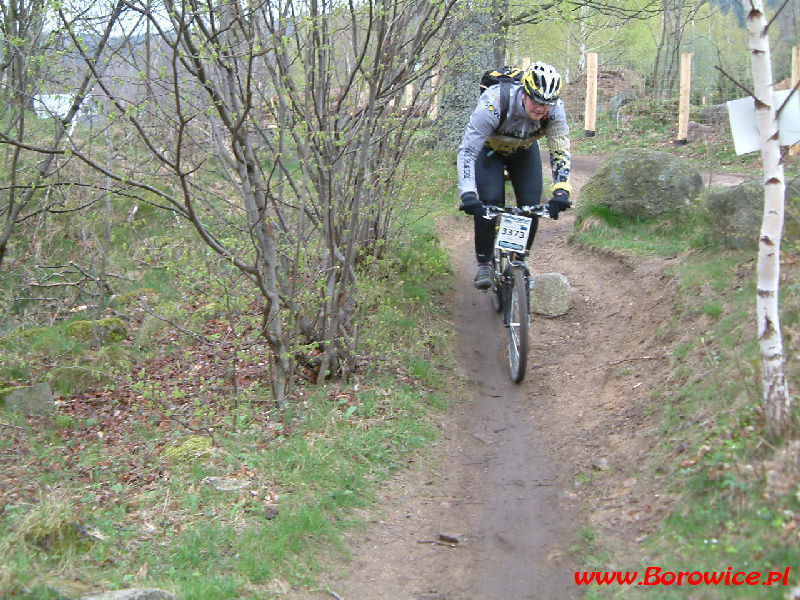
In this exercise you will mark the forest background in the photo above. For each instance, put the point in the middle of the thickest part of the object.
(213, 238)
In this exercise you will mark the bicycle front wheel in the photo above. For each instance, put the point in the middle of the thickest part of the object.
(517, 299)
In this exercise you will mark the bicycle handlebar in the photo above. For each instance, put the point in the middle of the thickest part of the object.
(537, 210)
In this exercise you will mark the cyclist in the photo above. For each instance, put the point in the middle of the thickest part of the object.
(489, 147)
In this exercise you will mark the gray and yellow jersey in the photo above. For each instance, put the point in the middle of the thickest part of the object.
(517, 132)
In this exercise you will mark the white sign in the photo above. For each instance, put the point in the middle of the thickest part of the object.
(49, 105)
(742, 114)
(513, 232)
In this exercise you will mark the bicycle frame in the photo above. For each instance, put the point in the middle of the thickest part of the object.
(511, 286)
(505, 259)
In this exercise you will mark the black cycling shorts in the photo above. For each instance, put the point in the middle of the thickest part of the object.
(525, 171)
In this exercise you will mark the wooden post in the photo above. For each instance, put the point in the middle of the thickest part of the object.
(590, 114)
(686, 84)
(526, 62)
(795, 150)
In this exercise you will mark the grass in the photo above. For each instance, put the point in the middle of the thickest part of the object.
(644, 238)
(134, 462)
(737, 488)
(189, 537)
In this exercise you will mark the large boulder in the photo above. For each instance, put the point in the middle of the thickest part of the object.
(459, 89)
(735, 214)
(640, 183)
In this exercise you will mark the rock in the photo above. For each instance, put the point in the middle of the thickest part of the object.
(189, 449)
(75, 379)
(34, 399)
(736, 214)
(111, 329)
(134, 594)
(620, 100)
(698, 131)
(714, 114)
(457, 98)
(638, 183)
(225, 484)
(551, 294)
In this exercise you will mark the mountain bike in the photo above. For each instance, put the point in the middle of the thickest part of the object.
(511, 281)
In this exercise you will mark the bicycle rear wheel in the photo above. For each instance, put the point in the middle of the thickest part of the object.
(517, 299)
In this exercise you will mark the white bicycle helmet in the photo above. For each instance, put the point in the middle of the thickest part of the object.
(542, 83)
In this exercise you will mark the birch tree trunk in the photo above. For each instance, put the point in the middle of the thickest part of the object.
(777, 401)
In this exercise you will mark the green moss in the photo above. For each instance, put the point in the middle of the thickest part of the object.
(134, 296)
(23, 336)
(189, 449)
(46, 340)
(111, 329)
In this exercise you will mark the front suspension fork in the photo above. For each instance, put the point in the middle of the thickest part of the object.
(507, 283)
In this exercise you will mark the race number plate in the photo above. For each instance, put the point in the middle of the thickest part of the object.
(513, 233)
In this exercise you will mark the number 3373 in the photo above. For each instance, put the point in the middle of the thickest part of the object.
(513, 232)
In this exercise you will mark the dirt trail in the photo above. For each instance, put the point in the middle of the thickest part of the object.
(502, 487)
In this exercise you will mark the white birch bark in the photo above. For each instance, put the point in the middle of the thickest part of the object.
(777, 401)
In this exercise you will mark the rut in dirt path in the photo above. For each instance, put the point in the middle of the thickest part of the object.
(520, 531)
